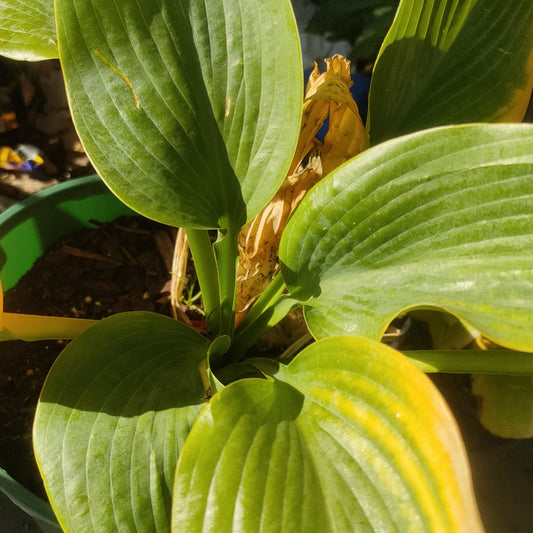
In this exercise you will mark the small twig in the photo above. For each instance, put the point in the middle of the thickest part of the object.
(138, 231)
(128, 255)
(179, 271)
(89, 255)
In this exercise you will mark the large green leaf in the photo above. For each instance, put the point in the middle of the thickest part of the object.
(440, 218)
(112, 418)
(449, 62)
(27, 29)
(348, 437)
(188, 109)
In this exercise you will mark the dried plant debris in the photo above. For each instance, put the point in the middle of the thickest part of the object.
(327, 98)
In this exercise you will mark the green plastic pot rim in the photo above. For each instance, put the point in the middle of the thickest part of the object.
(51, 191)
(30, 227)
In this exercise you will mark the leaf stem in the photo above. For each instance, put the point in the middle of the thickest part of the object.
(472, 361)
(251, 331)
(207, 272)
(227, 254)
(295, 347)
(269, 296)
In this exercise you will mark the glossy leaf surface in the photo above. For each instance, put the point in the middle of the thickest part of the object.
(27, 29)
(112, 418)
(449, 62)
(189, 110)
(441, 218)
(348, 437)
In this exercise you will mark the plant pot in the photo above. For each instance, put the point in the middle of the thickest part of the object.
(32, 226)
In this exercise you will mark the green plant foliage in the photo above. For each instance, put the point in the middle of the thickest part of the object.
(335, 442)
(439, 218)
(190, 111)
(37, 508)
(183, 106)
(27, 29)
(112, 419)
(495, 362)
(448, 62)
(505, 404)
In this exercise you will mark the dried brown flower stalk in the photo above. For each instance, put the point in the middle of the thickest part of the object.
(327, 96)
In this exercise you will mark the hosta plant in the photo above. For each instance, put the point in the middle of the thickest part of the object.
(191, 112)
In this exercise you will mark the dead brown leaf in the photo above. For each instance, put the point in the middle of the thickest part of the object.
(327, 96)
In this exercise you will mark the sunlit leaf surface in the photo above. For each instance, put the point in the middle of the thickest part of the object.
(27, 29)
(449, 62)
(189, 110)
(441, 218)
(349, 437)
